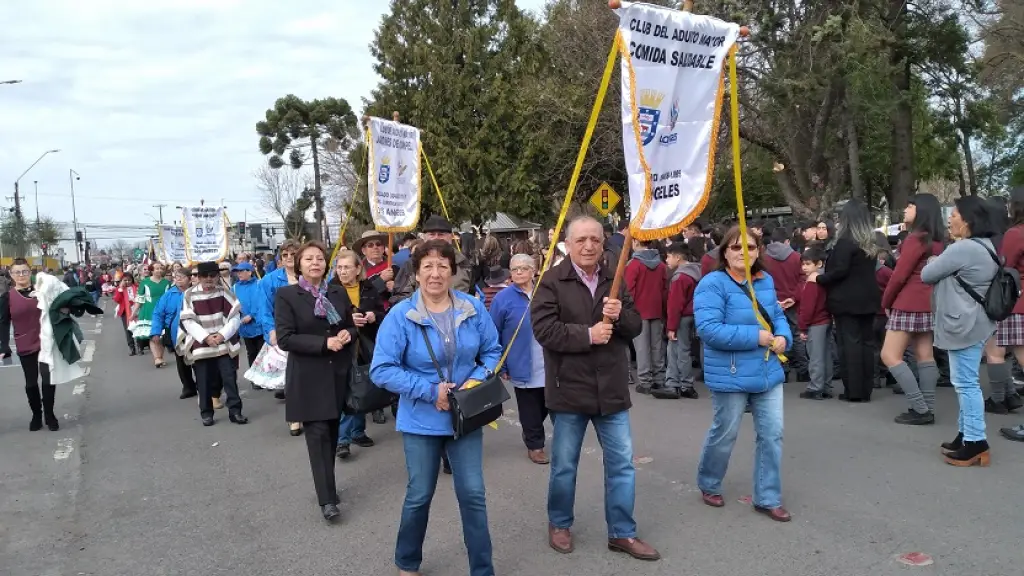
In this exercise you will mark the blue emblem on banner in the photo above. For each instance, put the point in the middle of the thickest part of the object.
(648, 114)
(384, 175)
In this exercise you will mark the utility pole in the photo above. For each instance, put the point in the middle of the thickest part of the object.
(160, 207)
(72, 176)
(36, 182)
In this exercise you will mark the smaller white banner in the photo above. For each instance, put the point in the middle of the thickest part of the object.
(170, 246)
(206, 233)
(394, 175)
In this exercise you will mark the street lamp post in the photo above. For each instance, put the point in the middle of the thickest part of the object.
(17, 194)
(72, 176)
(36, 183)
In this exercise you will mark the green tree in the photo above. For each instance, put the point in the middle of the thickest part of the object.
(457, 71)
(294, 125)
(45, 232)
(14, 233)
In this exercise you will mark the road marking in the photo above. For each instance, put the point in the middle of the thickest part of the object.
(88, 350)
(79, 389)
(64, 449)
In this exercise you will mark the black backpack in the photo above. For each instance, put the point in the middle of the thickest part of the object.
(1002, 294)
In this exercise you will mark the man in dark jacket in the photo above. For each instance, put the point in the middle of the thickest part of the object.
(783, 264)
(587, 381)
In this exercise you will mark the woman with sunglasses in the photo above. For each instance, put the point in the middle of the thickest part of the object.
(742, 368)
(284, 275)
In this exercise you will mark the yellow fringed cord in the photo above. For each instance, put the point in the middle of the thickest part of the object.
(737, 170)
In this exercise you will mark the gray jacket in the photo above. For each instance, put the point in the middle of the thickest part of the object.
(959, 320)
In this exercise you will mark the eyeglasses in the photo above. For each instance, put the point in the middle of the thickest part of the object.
(738, 248)
(21, 272)
(373, 245)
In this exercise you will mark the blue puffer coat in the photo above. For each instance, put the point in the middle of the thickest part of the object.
(724, 314)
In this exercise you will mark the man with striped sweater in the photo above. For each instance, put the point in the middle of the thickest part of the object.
(210, 318)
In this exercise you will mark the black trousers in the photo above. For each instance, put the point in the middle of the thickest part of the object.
(532, 412)
(322, 442)
(128, 333)
(40, 400)
(856, 339)
(252, 348)
(217, 373)
(185, 374)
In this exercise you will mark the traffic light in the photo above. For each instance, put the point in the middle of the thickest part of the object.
(241, 228)
(88, 245)
(44, 247)
(78, 236)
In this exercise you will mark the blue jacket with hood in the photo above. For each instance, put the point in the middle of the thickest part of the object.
(267, 288)
(402, 364)
(728, 329)
(167, 313)
(250, 297)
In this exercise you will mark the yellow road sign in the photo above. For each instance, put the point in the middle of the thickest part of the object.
(605, 199)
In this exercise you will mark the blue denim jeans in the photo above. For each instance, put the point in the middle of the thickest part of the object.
(963, 372)
(423, 463)
(352, 426)
(728, 409)
(613, 432)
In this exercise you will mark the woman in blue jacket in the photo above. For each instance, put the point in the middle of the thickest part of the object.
(741, 367)
(166, 318)
(250, 297)
(284, 275)
(525, 362)
(464, 341)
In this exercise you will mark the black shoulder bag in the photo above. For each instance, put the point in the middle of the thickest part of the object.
(363, 395)
(472, 408)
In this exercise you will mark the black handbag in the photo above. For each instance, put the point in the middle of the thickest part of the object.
(476, 407)
(363, 395)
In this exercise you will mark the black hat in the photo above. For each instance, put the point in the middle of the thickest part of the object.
(437, 224)
(208, 269)
(497, 275)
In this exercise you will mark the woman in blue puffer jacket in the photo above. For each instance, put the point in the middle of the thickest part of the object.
(741, 368)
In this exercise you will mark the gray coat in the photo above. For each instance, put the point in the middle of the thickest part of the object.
(959, 320)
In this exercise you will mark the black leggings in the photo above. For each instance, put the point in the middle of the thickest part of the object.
(40, 399)
(856, 339)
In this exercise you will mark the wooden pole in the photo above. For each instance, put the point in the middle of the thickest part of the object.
(620, 269)
(391, 242)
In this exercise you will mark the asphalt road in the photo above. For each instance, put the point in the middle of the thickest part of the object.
(133, 485)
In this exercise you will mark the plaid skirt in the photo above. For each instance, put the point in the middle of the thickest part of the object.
(902, 321)
(1011, 331)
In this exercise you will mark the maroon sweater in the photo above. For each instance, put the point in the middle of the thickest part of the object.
(882, 275)
(812, 310)
(680, 295)
(783, 264)
(648, 287)
(26, 317)
(1013, 252)
(906, 291)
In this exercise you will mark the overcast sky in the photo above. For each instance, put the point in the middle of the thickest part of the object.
(155, 101)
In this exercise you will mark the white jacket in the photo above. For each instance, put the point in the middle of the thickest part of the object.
(47, 290)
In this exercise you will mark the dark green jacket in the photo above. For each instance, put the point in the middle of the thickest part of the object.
(76, 301)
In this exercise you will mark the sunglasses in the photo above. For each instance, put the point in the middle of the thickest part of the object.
(373, 245)
(738, 248)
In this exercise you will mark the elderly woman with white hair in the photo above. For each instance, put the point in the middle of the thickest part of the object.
(525, 363)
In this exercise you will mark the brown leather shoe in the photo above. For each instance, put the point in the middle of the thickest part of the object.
(713, 500)
(538, 456)
(635, 547)
(779, 514)
(560, 539)
(217, 404)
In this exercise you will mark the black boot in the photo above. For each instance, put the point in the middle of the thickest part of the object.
(1013, 402)
(956, 444)
(51, 419)
(912, 418)
(971, 454)
(665, 393)
(35, 402)
(993, 407)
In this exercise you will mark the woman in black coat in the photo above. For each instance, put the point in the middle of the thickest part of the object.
(853, 299)
(313, 321)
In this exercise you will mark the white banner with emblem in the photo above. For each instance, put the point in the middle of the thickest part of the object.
(673, 75)
(206, 233)
(171, 244)
(394, 175)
